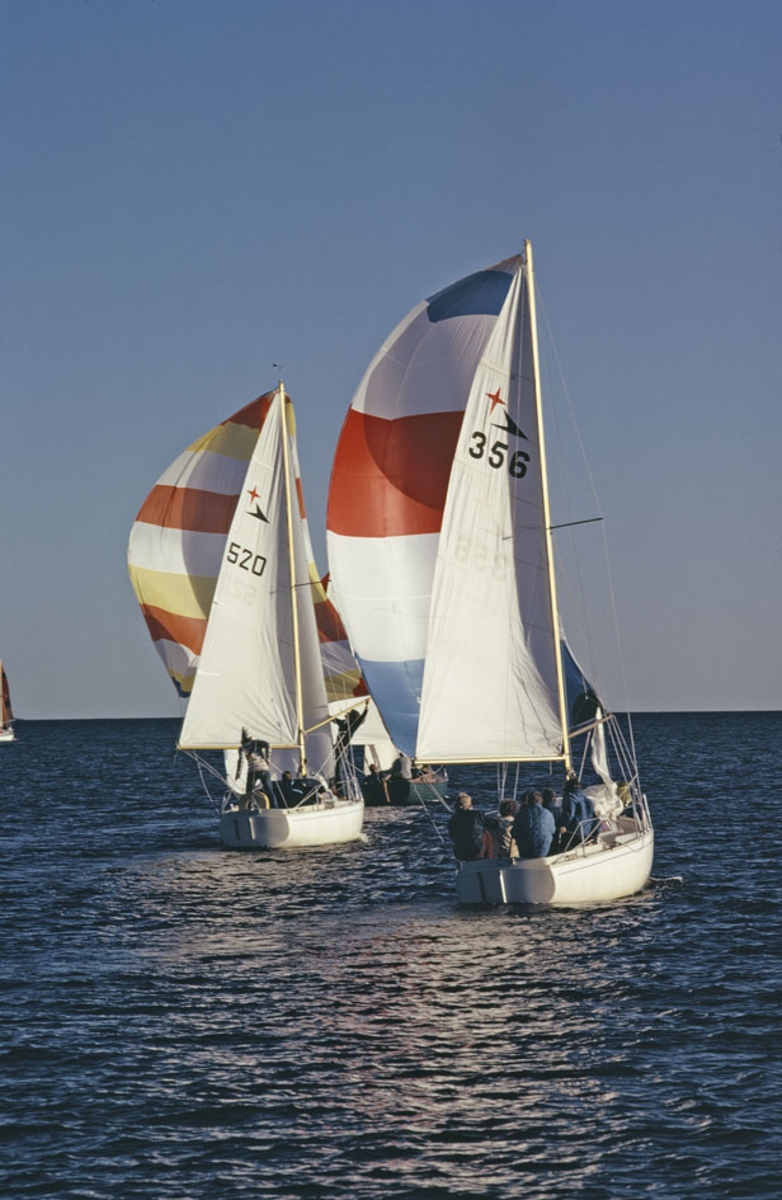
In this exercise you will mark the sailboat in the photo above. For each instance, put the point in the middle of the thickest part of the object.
(219, 557)
(6, 712)
(441, 556)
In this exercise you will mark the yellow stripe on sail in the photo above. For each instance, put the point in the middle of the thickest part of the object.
(233, 441)
(317, 582)
(343, 687)
(184, 682)
(186, 595)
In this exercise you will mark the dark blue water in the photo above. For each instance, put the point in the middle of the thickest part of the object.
(179, 1020)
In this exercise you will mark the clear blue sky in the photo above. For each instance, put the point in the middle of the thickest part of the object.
(194, 190)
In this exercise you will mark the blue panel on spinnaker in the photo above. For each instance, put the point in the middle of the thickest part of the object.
(396, 690)
(483, 292)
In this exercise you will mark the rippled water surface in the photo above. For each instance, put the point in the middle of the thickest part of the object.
(180, 1020)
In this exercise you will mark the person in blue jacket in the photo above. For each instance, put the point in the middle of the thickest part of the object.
(578, 821)
(534, 829)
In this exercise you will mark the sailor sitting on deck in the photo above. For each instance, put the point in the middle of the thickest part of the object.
(286, 792)
(467, 827)
(551, 802)
(302, 790)
(534, 829)
(577, 822)
(503, 844)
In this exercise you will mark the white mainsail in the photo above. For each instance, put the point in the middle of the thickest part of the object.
(248, 676)
(491, 685)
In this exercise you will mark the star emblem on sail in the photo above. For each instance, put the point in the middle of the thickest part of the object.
(256, 512)
(510, 425)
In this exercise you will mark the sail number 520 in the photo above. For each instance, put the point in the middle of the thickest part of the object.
(517, 462)
(244, 558)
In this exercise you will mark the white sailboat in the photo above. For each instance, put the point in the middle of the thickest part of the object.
(255, 675)
(441, 559)
(6, 712)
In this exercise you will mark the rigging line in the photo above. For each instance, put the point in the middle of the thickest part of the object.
(569, 400)
(615, 617)
(567, 524)
(200, 764)
(600, 510)
(572, 579)
(425, 807)
(574, 585)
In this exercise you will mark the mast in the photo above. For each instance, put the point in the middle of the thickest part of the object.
(546, 508)
(292, 567)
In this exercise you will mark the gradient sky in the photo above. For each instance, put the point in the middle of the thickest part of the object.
(194, 191)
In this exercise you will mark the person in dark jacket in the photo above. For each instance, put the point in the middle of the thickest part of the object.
(534, 829)
(286, 791)
(503, 845)
(577, 822)
(373, 787)
(467, 827)
(551, 803)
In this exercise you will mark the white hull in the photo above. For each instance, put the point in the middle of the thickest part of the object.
(6, 735)
(277, 828)
(615, 866)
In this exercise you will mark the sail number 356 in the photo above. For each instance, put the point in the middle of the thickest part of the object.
(245, 559)
(498, 455)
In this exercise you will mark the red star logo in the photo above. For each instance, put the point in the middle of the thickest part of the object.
(495, 400)
(253, 495)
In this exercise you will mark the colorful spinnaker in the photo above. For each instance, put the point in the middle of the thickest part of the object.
(177, 542)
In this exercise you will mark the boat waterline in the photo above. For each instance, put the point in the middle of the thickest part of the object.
(277, 828)
(594, 873)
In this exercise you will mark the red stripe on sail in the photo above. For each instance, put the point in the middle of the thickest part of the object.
(390, 478)
(253, 414)
(188, 508)
(197, 511)
(170, 627)
(330, 627)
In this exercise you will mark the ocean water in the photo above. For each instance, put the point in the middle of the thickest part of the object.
(183, 1021)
